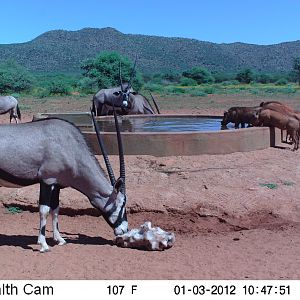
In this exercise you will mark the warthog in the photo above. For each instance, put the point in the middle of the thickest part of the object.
(239, 115)
(272, 118)
(281, 108)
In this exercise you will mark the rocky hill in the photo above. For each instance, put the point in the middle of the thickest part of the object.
(63, 51)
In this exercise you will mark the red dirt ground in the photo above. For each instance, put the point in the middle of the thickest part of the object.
(228, 224)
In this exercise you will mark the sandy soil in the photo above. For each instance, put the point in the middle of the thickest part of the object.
(235, 216)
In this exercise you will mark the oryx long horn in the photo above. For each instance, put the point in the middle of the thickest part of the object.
(132, 73)
(120, 76)
(104, 153)
(121, 152)
(156, 106)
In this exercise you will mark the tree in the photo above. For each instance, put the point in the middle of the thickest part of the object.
(297, 67)
(245, 76)
(14, 78)
(104, 69)
(199, 74)
(264, 78)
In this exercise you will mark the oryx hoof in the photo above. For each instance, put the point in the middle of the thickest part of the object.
(61, 243)
(44, 250)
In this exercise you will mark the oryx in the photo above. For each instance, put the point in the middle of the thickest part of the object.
(123, 98)
(10, 104)
(54, 153)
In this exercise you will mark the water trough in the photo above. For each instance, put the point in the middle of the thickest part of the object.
(167, 135)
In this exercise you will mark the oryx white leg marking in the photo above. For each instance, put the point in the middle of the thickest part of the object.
(56, 235)
(44, 212)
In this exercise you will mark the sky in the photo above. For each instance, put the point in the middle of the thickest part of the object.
(261, 22)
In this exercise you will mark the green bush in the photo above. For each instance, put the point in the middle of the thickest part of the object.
(184, 81)
(264, 78)
(296, 67)
(245, 76)
(197, 93)
(289, 90)
(152, 87)
(41, 92)
(104, 69)
(59, 87)
(229, 82)
(87, 85)
(199, 74)
(222, 77)
(14, 78)
(281, 81)
(209, 90)
(174, 90)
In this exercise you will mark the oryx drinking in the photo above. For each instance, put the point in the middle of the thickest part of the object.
(9, 104)
(54, 153)
(123, 98)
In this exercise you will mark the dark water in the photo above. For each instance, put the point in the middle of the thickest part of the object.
(162, 124)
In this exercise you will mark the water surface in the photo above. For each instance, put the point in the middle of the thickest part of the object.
(162, 124)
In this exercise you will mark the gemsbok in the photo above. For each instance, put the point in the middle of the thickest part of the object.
(54, 153)
(125, 100)
(10, 104)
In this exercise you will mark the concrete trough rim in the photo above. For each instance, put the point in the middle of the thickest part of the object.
(233, 131)
(182, 143)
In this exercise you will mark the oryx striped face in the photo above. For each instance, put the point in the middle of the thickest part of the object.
(125, 99)
(116, 214)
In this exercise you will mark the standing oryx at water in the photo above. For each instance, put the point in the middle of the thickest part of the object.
(124, 98)
(10, 104)
(54, 153)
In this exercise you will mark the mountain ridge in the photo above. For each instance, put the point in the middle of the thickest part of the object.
(64, 50)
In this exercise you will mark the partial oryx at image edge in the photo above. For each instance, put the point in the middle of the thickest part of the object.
(125, 100)
(9, 104)
(54, 153)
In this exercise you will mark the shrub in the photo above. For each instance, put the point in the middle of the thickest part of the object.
(14, 78)
(59, 87)
(296, 67)
(229, 82)
(209, 90)
(245, 76)
(41, 92)
(197, 93)
(152, 87)
(184, 81)
(199, 74)
(87, 85)
(104, 69)
(264, 78)
(175, 90)
(281, 81)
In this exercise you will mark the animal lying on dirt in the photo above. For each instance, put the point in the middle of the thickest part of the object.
(125, 100)
(271, 118)
(54, 153)
(239, 115)
(9, 104)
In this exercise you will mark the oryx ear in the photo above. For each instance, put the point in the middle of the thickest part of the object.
(133, 93)
(118, 185)
(117, 93)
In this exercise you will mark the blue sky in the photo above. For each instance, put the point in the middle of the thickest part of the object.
(220, 21)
